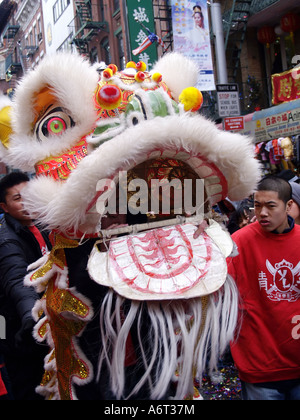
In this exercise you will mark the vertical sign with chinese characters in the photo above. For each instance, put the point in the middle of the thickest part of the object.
(142, 10)
(192, 38)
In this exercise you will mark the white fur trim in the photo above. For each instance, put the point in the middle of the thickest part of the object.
(65, 206)
(73, 82)
(209, 324)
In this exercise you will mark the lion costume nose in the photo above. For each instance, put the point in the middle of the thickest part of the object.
(5, 125)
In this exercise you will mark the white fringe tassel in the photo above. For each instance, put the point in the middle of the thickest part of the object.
(188, 336)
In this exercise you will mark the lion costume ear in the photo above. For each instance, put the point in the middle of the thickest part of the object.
(178, 72)
(5, 125)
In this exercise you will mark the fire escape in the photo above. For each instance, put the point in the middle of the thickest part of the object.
(235, 28)
(85, 27)
(13, 61)
(16, 49)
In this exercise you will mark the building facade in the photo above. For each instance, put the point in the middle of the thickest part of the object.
(261, 40)
(57, 17)
(257, 46)
(100, 30)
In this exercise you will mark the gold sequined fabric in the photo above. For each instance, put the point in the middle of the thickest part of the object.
(66, 314)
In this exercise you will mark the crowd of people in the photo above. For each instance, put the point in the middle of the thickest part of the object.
(266, 230)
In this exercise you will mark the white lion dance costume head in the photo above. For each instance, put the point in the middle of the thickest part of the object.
(142, 314)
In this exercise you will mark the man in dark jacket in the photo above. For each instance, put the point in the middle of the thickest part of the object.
(21, 244)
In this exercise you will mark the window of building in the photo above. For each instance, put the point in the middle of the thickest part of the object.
(106, 50)
(30, 38)
(34, 31)
(58, 8)
(56, 11)
(121, 50)
(116, 5)
(94, 55)
(64, 4)
(40, 31)
(67, 45)
(101, 10)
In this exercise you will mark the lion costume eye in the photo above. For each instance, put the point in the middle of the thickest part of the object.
(134, 118)
(55, 122)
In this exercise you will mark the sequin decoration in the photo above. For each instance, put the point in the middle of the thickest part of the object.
(66, 314)
(56, 257)
(60, 167)
(69, 360)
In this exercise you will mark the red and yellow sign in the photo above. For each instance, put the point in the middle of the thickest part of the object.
(286, 86)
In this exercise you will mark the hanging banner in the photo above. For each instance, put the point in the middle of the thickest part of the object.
(284, 124)
(286, 86)
(191, 36)
(141, 24)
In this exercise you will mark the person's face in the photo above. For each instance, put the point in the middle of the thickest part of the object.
(270, 211)
(14, 204)
(244, 221)
(198, 19)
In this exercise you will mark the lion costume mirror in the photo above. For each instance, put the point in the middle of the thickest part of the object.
(136, 305)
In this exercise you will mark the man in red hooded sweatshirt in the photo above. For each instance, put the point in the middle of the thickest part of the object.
(267, 273)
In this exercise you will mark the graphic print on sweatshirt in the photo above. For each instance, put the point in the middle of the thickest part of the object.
(281, 282)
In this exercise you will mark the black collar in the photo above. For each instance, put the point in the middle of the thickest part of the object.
(291, 222)
(14, 223)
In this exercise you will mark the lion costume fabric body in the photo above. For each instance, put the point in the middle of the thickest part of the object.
(151, 311)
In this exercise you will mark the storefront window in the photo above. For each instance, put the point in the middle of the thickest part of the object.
(290, 51)
(277, 65)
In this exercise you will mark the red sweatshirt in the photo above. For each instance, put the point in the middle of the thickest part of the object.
(2, 387)
(267, 273)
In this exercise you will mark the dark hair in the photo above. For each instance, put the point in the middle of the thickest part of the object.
(9, 181)
(276, 184)
(237, 217)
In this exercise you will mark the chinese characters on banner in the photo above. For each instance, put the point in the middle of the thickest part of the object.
(192, 38)
(286, 86)
(141, 10)
(283, 124)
